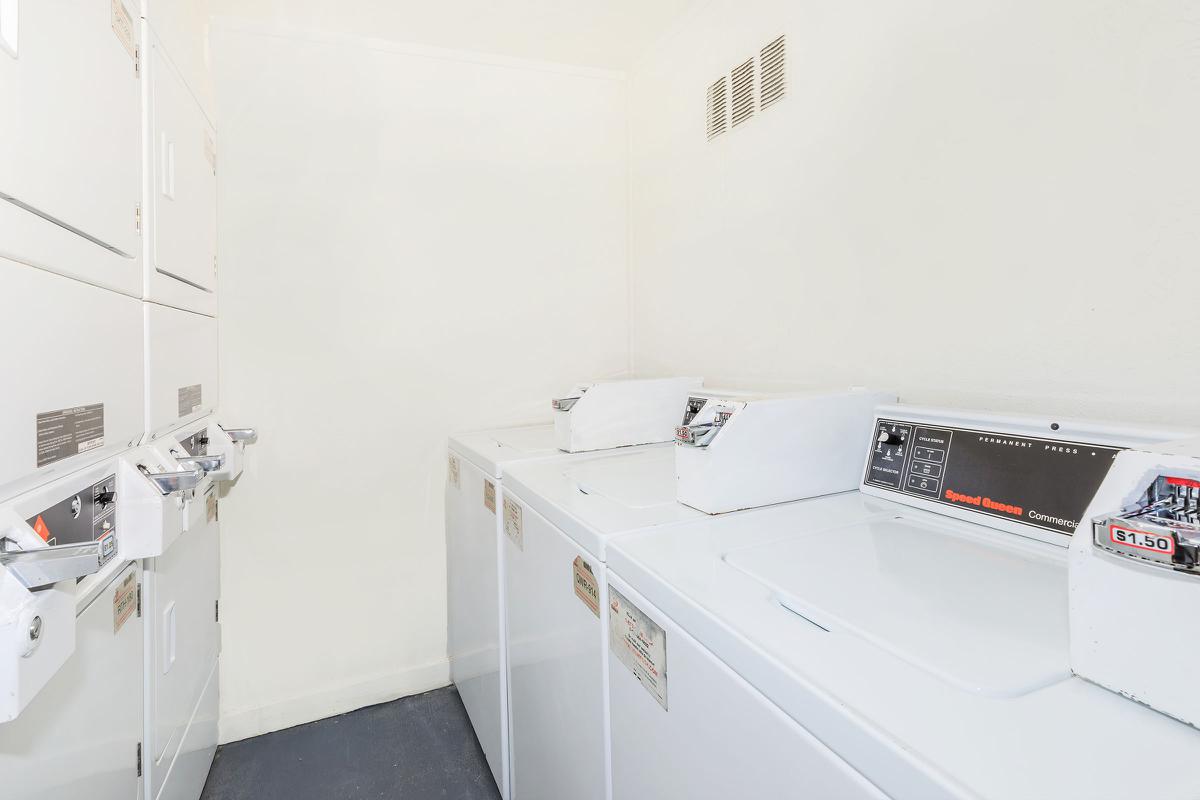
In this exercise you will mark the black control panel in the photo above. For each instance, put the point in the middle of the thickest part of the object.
(90, 516)
(1046, 483)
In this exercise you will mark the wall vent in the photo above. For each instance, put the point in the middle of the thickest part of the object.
(772, 63)
(742, 83)
(716, 107)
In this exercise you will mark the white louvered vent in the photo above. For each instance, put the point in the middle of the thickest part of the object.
(716, 109)
(742, 83)
(772, 66)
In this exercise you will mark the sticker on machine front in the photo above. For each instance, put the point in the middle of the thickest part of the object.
(453, 474)
(210, 504)
(587, 588)
(512, 523)
(638, 643)
(489, 495)
(69, 432)
(191, 399)
(124, 602)
(122, 25)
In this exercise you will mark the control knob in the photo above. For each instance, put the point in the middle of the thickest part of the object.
(887, 437)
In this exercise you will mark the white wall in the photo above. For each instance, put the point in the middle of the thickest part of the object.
(987, 204)
(411, 241)
(585, 32)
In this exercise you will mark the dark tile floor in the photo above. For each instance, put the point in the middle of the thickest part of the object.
(414, 748)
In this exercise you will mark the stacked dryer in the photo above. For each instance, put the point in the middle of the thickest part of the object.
(108, 541)
(179, 250)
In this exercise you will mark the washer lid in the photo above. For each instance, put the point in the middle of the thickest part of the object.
(982, 613)
(592, 497)
(492, 450)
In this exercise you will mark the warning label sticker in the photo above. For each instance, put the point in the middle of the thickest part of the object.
(587, 588)
(489, 495)
(638, 643)
(191, 399)
(512, 523)
(69, 432)
(453, 473)
(124, 602)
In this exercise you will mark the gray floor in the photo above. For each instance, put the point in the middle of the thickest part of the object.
(410, 749)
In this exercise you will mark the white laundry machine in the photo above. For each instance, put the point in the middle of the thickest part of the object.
(70, 643)
(182, 600)
(70, 146)
(474, 474)
(65, 418)
(476, 463)
(558, 519)
(906, 640)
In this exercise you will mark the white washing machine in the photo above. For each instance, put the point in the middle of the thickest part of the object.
(907, 640)
(617, 412)
(474, 476)
(71, 653)
(558, 517)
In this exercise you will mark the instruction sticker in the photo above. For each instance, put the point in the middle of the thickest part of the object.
(191, 399)
(124, 602)
(587, 588)
(69, 432)
(453, 475)
(489, 495)
(122, 25)
(638, 643)
(512, 523)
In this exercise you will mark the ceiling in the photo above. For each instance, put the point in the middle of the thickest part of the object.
(597, 33)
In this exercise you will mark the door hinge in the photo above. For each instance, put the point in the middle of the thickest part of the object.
(139, 600)
(137, 217)
(217, 611)
(137, 61)
(139, 759)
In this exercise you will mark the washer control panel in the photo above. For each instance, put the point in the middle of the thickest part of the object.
(90, 516)
(1046, 483)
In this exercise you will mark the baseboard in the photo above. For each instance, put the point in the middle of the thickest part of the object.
(242, 724)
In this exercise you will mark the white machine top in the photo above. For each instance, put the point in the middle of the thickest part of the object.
(592, 497)
(930, 652)
(492, 450)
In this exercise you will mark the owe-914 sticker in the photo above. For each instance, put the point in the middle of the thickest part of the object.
(639, 643)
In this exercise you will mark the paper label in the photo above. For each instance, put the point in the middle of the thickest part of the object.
(638, 643)
(191, 399)
(122, 25)
(69, 432)
(210, 505)
(453, 475)
(512, 523)
(124, 602)
(587, 588)
(489, 495)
